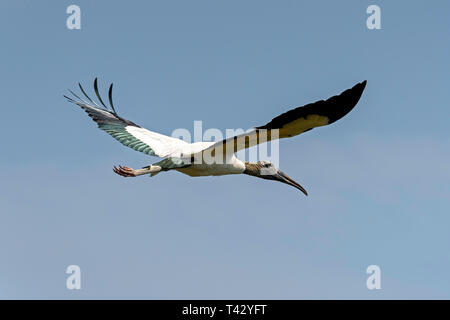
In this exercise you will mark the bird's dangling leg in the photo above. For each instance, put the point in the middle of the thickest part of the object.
(130, 172)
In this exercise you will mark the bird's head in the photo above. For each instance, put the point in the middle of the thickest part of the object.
(267, 170)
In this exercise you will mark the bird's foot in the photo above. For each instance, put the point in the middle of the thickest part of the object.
(125, 171)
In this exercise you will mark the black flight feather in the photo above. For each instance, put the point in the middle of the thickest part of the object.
(98, 94)
(110, 98)
(333, 108)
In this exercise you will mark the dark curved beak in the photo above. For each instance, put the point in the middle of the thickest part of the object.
(282, 177)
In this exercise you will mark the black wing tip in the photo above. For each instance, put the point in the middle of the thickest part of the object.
(362, 85)
(335, 108)
(94, 107)
(348, 100)
(91, 102)
(358, 88)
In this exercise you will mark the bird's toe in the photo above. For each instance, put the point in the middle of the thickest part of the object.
(124, 171)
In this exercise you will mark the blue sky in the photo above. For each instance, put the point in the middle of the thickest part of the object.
(378, 179)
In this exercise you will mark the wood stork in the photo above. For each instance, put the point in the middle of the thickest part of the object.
(178, 155)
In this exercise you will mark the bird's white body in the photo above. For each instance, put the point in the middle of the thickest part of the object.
(232, 165)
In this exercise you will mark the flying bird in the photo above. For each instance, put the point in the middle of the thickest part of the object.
(188, 158)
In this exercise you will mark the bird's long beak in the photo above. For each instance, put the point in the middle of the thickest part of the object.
(282, 177)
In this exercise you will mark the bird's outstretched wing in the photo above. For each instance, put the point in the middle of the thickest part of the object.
(125, 131)
(295, 121)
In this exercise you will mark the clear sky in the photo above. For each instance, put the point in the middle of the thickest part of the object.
(379, 179)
